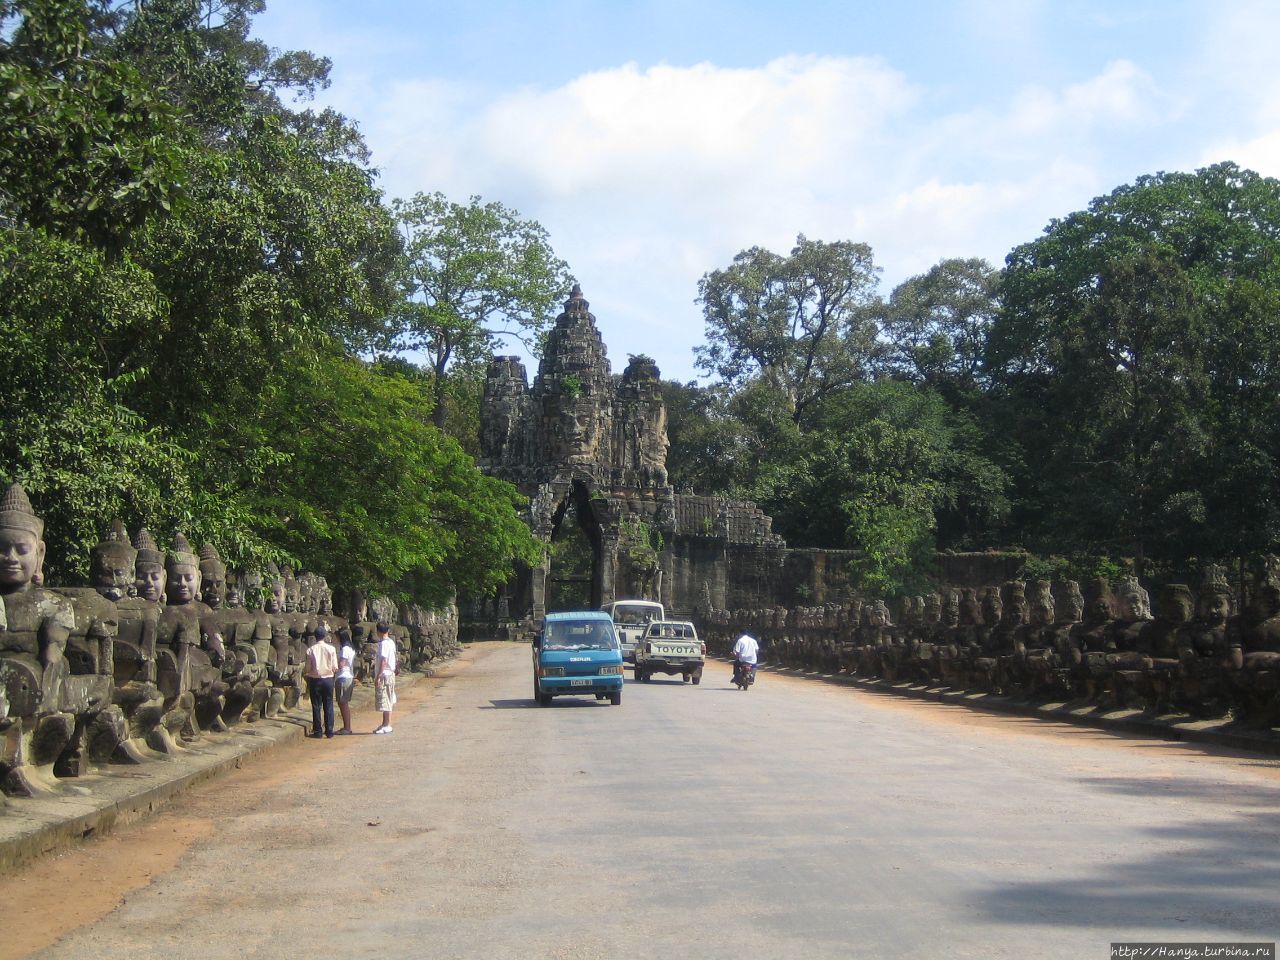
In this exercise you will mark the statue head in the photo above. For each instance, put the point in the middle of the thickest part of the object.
(876, 613)
(1134, 601)
(950, 616)
(1040, 603)
(111, 564)
(970, 611)
(932, 609)
(303, 602)
(1266, 600)
(1176, 603)
(992, 606)
(1097, 609)
(182, 572)
(324, 597)
(292, 590)
(251, 589)
(1014, 596)
(1070, 601)
(213, 578)
(1215, 596)
(273, 590)
(21, 542)
(235, 589)
(148, 568)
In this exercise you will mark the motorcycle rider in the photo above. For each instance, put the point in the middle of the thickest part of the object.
(745, 650)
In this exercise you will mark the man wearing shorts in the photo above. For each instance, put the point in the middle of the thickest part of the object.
(384, 689)
(346, 680)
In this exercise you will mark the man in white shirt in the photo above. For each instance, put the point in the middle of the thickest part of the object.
(322, 664)
(744, 651)
(384, 679)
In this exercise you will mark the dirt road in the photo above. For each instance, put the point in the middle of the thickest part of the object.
(795, 820)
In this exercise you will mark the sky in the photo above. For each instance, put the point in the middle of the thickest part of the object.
(656, 140)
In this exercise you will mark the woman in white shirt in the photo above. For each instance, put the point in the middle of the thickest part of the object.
(346, 679)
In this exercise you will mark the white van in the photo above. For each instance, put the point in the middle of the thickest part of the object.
(631, 618)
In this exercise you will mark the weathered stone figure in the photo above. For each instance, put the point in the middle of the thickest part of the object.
(103, 733)
(1205, 657)
(196, 656)
(33, 669)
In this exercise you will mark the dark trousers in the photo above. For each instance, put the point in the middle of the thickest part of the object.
(321, 691)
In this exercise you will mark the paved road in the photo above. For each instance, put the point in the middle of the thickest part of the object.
(799, 819)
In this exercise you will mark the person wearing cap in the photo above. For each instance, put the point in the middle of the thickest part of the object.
(322, 665)
(384, 689)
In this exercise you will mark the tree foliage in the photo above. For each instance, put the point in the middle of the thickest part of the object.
(475, 273)
(1136, 360)
(190, 271)
(796, 323)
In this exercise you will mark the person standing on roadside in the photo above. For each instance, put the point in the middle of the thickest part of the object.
(384, 689)
(345, 682)
(322, 665)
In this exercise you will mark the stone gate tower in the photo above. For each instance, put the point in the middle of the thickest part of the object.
(584, 437)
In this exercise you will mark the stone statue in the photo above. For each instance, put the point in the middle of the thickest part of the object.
(40, 722)
(105, 734)
(235, 628)
(1205, 657)
(284, 672)
(190, 659)
(1255, 641)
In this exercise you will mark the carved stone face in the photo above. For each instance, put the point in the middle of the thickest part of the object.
(877, 615)
(969, 609)
(21, 558)
(149, 581)
(291, 596)
(112, 574)
(1015, 612)
(213, 587)
(274, 600)
(932, 609)
(1098, 610)
(1176, 606)
(1133, 606)
(992, 608)
(183, 583)
(235, 595)
(1215, 607)
(1267, 602)
(950, 608)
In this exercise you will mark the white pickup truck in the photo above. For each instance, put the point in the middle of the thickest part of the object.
(670, 646)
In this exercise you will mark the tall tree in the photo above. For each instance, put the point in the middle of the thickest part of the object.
(797, 323)
(475, 273)
(1135, 356)
(936, 325)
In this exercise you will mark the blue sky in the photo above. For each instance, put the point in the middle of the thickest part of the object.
(654, 140)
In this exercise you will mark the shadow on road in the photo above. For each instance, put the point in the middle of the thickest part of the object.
(528, 704)
(1214, 873)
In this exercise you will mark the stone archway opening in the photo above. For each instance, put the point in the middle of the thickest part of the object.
(575, 572)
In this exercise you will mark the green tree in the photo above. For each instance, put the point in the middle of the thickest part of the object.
(798, 324)
(1135, 359)
(936, 325)
(374, 494)
(88, 150)
(475, 273)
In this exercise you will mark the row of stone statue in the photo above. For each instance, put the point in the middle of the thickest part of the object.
(1051, 642)
(160, 648)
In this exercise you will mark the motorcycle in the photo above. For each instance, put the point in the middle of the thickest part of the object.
(744, 674)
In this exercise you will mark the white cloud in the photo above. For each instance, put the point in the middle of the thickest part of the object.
(648, 177)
